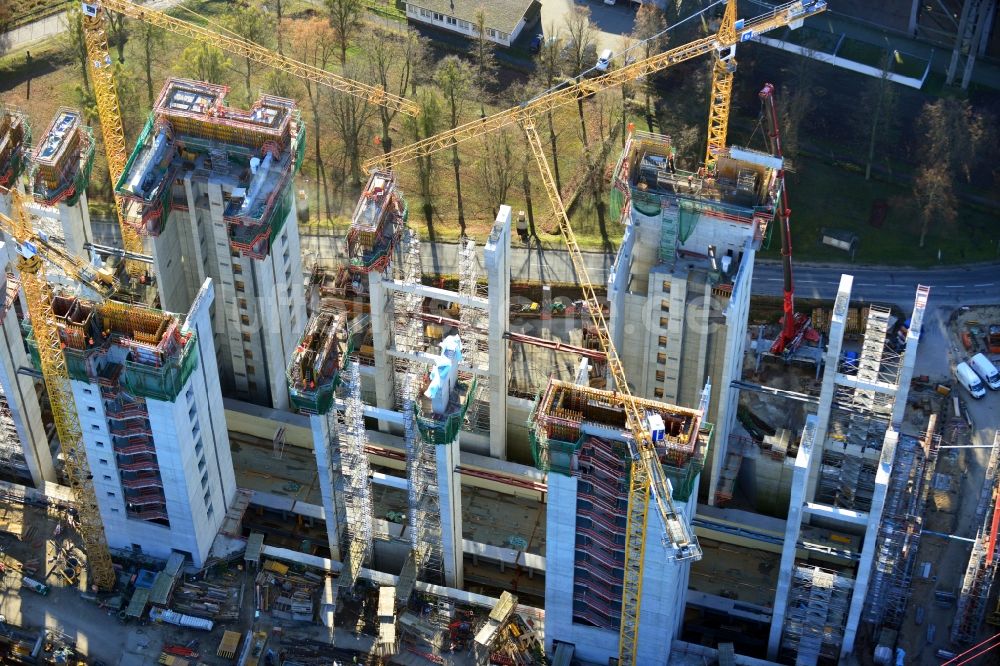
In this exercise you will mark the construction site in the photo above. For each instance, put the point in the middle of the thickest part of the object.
(214, 452)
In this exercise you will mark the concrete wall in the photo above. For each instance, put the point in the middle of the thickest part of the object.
(260, 306)
(192, 451)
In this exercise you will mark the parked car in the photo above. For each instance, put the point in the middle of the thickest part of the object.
(536, 43)
(604, 61)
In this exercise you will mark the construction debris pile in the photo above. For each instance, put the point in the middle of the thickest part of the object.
(218, 600)
(287, 594)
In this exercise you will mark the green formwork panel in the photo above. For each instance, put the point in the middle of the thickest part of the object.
(165, 382)
(446, 431)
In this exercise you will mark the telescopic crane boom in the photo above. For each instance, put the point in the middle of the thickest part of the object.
(793, 325)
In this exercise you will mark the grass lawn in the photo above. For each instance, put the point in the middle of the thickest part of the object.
(822, 195)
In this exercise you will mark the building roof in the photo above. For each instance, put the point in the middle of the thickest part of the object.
(501, 15)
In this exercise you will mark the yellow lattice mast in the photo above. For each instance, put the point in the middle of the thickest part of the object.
(723, 71)
(38, 296)
(109, 111)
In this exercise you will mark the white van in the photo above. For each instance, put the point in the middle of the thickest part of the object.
(984, 368)
(970, 380)
(604, 61)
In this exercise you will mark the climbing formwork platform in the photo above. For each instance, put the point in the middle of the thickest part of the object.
(62, 160)
(376, 224)
(15, 137)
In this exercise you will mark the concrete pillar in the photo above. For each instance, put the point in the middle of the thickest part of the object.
(75, 222)
(22, 397)
(496, 256)
(793, 526)
(910, 355)
(956, 52)
(863, 576)
(978, 40)
(450, 503)
(736, 313)
(838, 322)
(323, 427)
(381, 322)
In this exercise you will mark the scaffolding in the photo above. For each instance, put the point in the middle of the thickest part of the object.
(314, 371)
(981, 569)
(15, 136)
(191, 130)
(564, 408)
(474, 324)
(817, 613)
(356, 474)
(899, 533)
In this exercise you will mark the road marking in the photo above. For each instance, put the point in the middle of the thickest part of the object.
(952, 286)
(988, 284)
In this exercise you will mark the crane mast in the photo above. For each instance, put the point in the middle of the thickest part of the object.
(723, 72)
(38, 297)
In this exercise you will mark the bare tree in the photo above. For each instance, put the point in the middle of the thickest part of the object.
(581, 50)
(484, 56)
(314, 43)
(117, 33)
(649, 32)
(252, 22)
(279, 18)
(498, 167)
(425, 125)
(796, 106)
(345, 19)
(454, 78)
(878, 101)
(151, 40)
(75, 42)
(204, 63)
(351, 117)
(955, 135)
(391, 61)
(547, 76)
(935, 195)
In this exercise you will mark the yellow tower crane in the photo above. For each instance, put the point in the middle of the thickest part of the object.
(723, 71)
(38, 296)
(789, 14)
(646, 474)
(106, 93)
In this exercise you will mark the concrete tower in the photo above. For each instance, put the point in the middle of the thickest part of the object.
(225, 177)
(680, 285)
(25, 449)
(15, 135)
(147, 394)
(579, 437)
(59, 175)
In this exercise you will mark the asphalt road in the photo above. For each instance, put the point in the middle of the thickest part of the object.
(953, 285)
(967, 285)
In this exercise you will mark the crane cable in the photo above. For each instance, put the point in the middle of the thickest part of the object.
(954, 660)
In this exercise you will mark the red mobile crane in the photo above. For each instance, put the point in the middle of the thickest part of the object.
(795, 325)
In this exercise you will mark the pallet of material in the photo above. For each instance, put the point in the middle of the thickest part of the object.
(228, 645)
